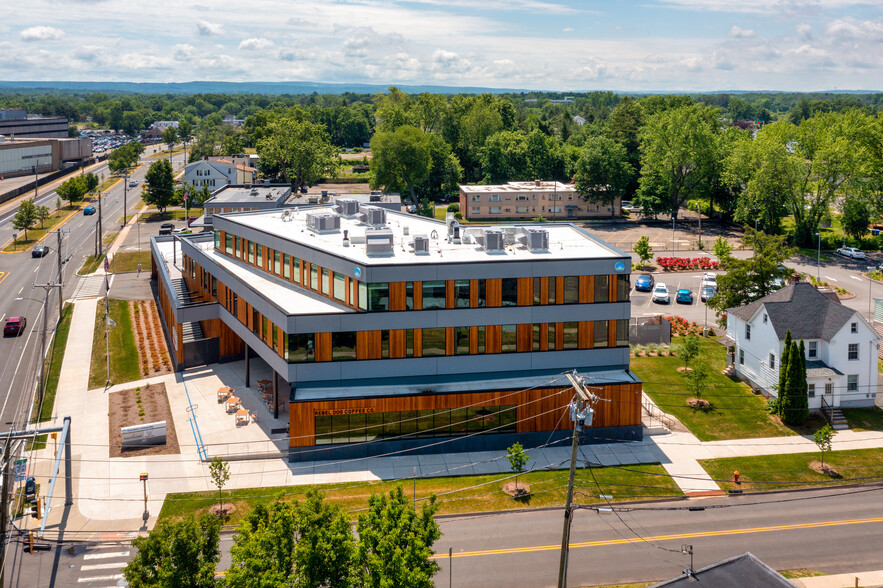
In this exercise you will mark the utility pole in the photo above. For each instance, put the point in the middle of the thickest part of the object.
(46, 287)
(580, 413)
(58, 234)
(100, 225)
(125, 191)
(4, 509)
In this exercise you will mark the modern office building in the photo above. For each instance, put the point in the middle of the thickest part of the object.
(528, 200)
(20, 157)
(17, 123)
(388, 331)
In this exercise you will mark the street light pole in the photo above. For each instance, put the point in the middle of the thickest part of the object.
(100, 225)
(699, 215)
(819, 259)
(755, 225)
(672, 235)
(125, 191)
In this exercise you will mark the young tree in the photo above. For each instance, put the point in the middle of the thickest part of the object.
(170, 137)
(160, 185)
(263, 548)
(325, 548)
(722, 250)
(696, 379)
(25, 217)
(395, 543)
(220, 473)
(517, 460)
(643, 249)
(42, 213)
(182, 554)
(603, 172)
(823, 438)
(688, 350)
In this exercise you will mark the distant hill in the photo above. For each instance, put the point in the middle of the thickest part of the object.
(243, 87)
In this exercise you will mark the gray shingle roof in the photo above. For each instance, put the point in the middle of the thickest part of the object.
(802, 309)
(819, 369)
(742, 571)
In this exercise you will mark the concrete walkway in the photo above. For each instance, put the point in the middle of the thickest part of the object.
(864, 579)
(120, 238)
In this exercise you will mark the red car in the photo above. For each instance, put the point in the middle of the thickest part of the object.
(15, 325)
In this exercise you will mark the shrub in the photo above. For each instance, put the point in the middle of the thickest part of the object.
(652, 347)
(686, 263)
(453, 207)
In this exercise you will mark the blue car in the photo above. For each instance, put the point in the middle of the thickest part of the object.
(89, 210)
(644, 283)
(684, 296)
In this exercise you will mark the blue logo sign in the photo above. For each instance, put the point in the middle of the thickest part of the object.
(358, 273)
(620, 266)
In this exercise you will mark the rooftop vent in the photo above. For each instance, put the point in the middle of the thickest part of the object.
(375, 216)
(421, 244)
(536, 239)
(378, 241)
(323, 222)
(494, 240)
(347, 207)
(375, 198)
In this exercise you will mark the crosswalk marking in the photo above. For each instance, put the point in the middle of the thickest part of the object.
(102, 566)
(106, 555)
(100, 578)
(3, 276)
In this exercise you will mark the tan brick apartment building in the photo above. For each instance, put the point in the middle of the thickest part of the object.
(527, 200)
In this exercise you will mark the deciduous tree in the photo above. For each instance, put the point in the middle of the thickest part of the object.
(643, 249)
(823, 438)
(400, 160)
(299, 150)
(160, 185)
(603, 171)
(25, 217)
(517, 460)
(220, 473)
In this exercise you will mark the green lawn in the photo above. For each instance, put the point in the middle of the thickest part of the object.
(127, 261)
(814, 254)
(456, 494)
(768, 472)
(864, 419)
(37, 233)
(736, 413)
(53, 365)
(155, 216)
(123, 353)
(91, 264)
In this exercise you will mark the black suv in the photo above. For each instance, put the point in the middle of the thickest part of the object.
(166, 228)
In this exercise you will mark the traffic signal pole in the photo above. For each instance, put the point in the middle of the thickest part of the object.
(4, 509)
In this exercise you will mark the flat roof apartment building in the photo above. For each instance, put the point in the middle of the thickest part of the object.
(528, 200)
(394, 332)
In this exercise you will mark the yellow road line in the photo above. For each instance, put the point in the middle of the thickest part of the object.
(679, 536)
(3, 276)
(54, 227)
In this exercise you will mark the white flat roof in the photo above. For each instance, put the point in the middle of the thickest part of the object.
(289, 298)
(518, 187)
(565, 240)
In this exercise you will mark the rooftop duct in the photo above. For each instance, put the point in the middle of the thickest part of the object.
(378, 241)
(421, 244)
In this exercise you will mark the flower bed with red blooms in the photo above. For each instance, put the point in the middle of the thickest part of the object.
(681, 326)
(684, 264)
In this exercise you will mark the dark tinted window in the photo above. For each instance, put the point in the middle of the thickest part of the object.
(602, 288)
(433, 295)
(433, 342)
(510, 291)
(343, 346)
(571, 289)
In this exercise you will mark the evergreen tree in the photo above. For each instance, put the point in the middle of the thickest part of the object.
(800, 403)
(783, 376)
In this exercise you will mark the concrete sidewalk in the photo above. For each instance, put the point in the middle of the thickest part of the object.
(864, 579)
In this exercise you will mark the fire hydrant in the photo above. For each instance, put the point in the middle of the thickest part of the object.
(736, 477)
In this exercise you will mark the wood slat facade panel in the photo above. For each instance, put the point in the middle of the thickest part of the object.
(524, 337)
(449, 294)
(397, 343)
(323, 346)
(494, 292)
(585, 289)
(525, 291)
(397, 294)
(538, 409)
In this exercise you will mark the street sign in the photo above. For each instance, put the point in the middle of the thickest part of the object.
(21, 468)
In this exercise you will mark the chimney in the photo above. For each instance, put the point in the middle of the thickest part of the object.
(537, 183)
(795, 277)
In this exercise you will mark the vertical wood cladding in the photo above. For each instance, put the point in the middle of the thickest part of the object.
(525, 291)
(539, 409)
(397, 296)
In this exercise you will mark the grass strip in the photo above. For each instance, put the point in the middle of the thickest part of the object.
(91, 264)
(123, 352)
(43, 411)
(770, 472)
(37, 233)
(127, 261)
(735, 413)
(864, 419)
(456, 494)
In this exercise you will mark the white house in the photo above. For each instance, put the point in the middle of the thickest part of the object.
(217, 172)
(841, 346)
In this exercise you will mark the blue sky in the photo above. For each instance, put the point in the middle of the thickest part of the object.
(649, 45)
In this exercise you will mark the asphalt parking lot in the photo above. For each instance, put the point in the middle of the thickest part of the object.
(684, 238)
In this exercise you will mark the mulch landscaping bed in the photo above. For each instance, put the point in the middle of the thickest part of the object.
(153, 356)
(126, 411)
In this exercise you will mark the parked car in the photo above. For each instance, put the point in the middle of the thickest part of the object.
(166, 228)
(660, 294)
(853, 252)
(777, 283)
(182, 231)
(39, 251)
(88, 210)
(627, 206)
(15, 326)
(684, 296)
(644, 283)
(706, 293)
(190, 219)
(709, 279)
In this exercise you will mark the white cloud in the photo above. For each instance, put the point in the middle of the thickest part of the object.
(804, 31)
(567, 30)
(207, 29)
(255, 44)
(183, 52)
(848, 30)
(446, 59)
(740, 33)
(41, 33)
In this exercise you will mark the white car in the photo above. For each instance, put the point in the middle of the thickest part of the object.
(660, 294)
(852, 252)
(709, 279)
(627, 206)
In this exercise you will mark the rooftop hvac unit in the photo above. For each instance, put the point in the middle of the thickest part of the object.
(347, 207)
(421, 244)
(494, 240)
(537, 240)
(375, 198)
(378, 241)
(323, 222)
(375, 216)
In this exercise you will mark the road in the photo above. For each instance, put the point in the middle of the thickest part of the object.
(824, 530)
(19, 363)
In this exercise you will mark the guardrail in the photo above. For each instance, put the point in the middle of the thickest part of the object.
(652, 411)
